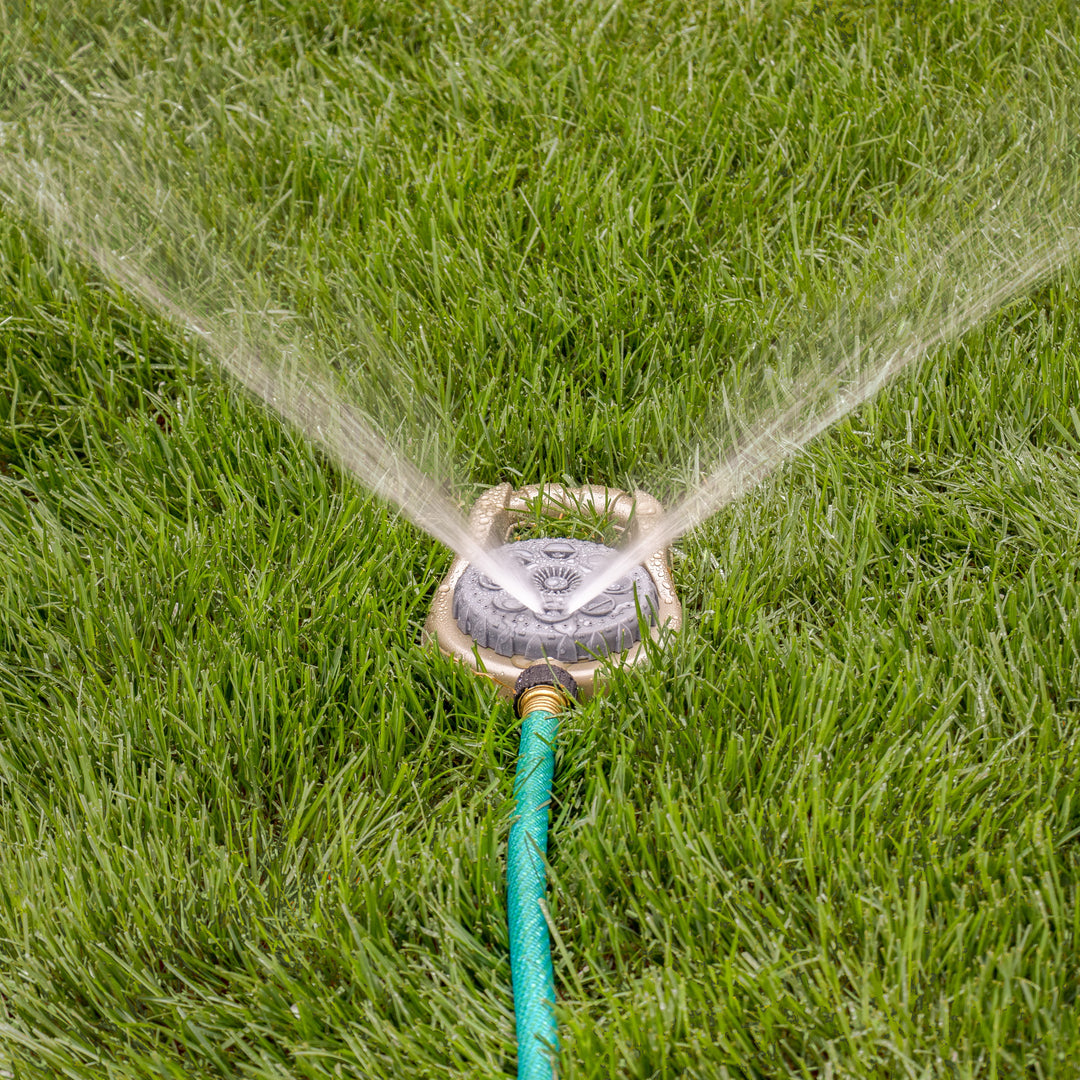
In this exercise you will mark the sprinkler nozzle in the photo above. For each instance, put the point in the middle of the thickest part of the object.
(544, 686)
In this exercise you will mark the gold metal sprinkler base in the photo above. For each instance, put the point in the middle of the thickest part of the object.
(494, 516)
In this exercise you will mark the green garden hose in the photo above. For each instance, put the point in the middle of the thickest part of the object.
(539, 700)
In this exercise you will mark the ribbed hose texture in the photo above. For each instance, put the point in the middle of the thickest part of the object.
(530, 947)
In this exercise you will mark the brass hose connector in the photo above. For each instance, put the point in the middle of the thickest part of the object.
(541, 699)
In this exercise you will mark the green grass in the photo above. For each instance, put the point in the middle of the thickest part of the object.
(250, 828)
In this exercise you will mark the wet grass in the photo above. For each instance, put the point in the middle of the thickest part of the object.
(249, 828)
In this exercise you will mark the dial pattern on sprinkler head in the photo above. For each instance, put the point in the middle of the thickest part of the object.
(606, 624)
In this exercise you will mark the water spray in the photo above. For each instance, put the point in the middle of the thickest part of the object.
(544, 618)
(547, 659)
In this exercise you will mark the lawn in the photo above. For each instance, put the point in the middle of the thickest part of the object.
(250, 826)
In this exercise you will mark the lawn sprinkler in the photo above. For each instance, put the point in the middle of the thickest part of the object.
(475, 621)
(545, 660)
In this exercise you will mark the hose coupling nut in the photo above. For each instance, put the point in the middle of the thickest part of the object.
(544, 686)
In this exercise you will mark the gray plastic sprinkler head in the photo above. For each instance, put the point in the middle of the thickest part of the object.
(476, 621)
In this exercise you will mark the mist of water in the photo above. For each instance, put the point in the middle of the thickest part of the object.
(93, 174)
(100, 201)
(930, 297)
